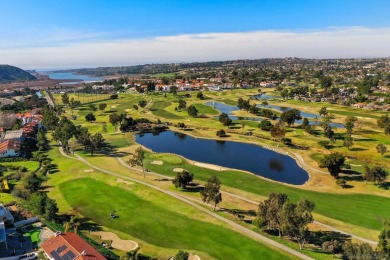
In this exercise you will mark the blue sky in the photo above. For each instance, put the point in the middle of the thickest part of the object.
(82, 33)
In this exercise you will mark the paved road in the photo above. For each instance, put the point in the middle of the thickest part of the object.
(234, 225)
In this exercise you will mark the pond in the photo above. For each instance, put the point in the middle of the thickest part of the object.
(241, 156)
(228, 109)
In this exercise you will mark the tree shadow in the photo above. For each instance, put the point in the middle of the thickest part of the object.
(357, 149)
(319, 237)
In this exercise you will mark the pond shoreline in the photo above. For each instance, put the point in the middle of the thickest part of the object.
(223, 168)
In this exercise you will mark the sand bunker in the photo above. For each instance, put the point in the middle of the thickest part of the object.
(123, 181)
(178, 169)
(157, 162)
(210, 166)
(90, 170)
(193, 257)
(117, 243)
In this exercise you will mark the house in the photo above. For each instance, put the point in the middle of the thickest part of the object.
(14, 135)
(69, 246)
(9, 148)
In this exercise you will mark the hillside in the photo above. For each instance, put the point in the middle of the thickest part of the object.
(10, 74)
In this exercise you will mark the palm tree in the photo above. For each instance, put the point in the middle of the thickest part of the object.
(74, 223)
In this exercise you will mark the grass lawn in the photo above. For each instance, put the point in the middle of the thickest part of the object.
(33, 234)
(368, 211)
(157, 224)
(6, 198)
(30, 165)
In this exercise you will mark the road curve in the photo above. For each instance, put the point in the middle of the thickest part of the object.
(236, 226)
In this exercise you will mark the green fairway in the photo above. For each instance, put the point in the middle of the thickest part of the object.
(156, 224)
(363, 210)
(158, 109)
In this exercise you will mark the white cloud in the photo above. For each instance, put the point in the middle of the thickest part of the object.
(344, 42)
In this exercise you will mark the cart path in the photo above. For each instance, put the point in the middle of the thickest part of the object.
(234, 225)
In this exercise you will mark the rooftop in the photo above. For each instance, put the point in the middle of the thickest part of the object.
(70, 246)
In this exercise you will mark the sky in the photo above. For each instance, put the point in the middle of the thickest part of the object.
(47, 34)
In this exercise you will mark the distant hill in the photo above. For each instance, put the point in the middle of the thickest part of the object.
(10, 74)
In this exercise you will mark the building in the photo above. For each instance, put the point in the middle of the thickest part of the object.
(9, 148)
(6, 218)
(14, 135)
(69, 246)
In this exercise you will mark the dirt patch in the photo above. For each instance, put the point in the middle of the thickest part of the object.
(117, 243)
(89, 170)
(157, 162)
(178, 169)
(123, 181)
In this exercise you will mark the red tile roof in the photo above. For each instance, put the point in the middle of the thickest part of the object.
(73, 243)
(9, 144)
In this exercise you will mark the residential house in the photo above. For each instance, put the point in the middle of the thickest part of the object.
(9, 148)
(69, 246)
(14, 135)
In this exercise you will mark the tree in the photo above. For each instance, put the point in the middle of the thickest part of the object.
(305, 122)
(381, 149)
(138, 158)
(331, 247)
(334, 162)
(323, 111)
(96, 141)
(384, 238)
(356, 251)
(225, 119)
(64, 131)
(221, 133)
(102, 106)
(142, 103)
(181, 255)
(278, 131)
(92, 107)
(290, 116)
(375, 174)
(270, 213)
(341, 182)
(131, 255)
(265, 125)
(296, 217)
(326, 81)
(200, 95)
(192, 111)
(65, 99)
(49, 118)
(182, 179)
(104, 128)
(181, 125)
(350, 123)
(211, 191)
(74, 223)
(173, 90)
(182, 104)
(90, 117)
(51, 209)
(114, 119)
(348, 141)
(114, 96)
(41, 140)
